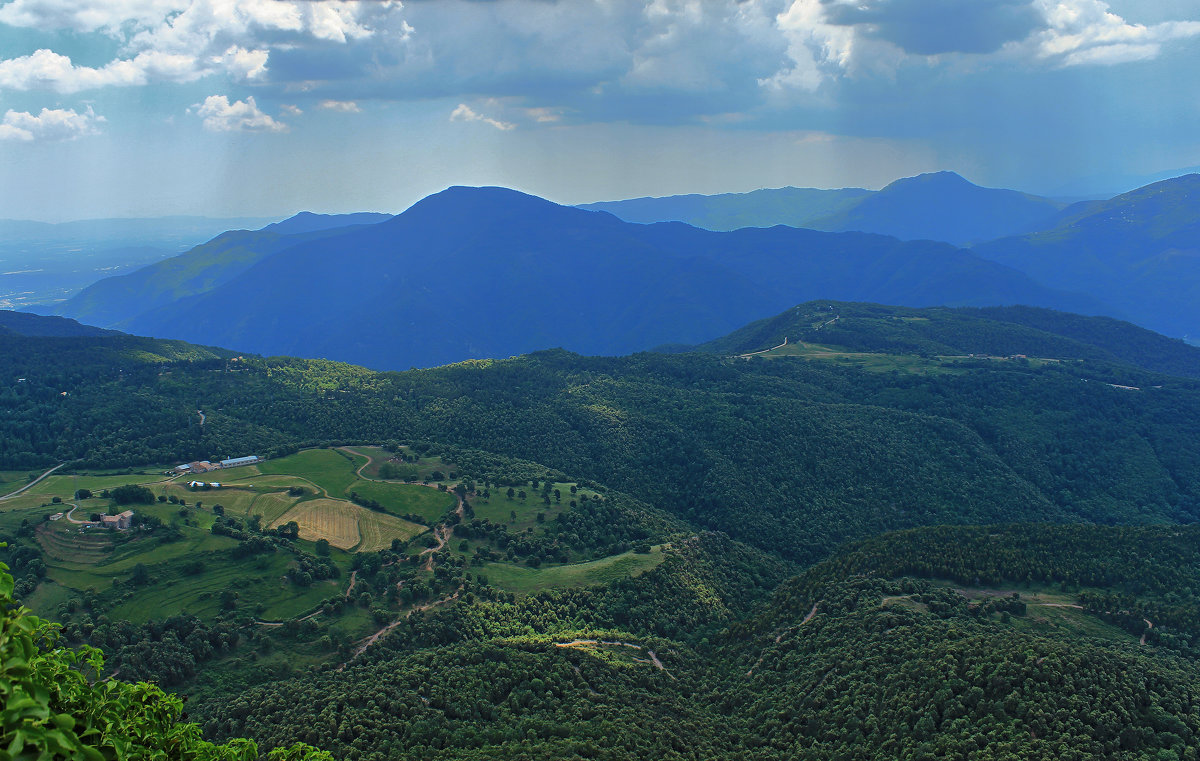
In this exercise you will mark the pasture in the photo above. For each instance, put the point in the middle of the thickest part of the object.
(525, 580)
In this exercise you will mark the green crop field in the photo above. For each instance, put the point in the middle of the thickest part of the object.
(524, 580)
(400, 499)
(326, 468)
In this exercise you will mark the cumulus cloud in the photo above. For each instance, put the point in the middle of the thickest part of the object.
(832, 39)
(50, 124)
(220, 115)
(180, 40)
(464, 113)
(345, 106)
(665, 60)
(1084, 32)
(291, 109)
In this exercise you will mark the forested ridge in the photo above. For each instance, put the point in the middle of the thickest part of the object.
(974, 558)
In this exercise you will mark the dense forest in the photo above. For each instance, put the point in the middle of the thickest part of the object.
(945, 556)
(791, 455)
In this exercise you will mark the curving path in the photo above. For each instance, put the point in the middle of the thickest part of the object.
(32, 483)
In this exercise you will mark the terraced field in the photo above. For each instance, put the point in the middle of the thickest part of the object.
(65, 542)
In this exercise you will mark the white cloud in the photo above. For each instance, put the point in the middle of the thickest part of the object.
(220, 115)
(1088, 32)
(464, 113)
(50, 124)
(345, 106)
(291, 109)
(107, 16)
(178, 40)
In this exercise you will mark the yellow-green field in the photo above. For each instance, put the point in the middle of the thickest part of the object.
(522, 579)
(347, 526)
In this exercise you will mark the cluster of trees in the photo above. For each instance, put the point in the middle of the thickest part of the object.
(790, 455)
(55, 707)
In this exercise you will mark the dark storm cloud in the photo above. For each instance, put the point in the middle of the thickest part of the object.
(929, 27)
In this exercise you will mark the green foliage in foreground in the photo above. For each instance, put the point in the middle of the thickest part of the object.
(51, 709)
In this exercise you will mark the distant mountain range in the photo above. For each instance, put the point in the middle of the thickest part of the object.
(490, 272)
(1138, 252)
(938, 206)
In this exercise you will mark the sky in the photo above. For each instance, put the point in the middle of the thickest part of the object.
(268, 107)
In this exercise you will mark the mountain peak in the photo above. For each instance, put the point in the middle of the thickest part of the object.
(459, 203)
(939, 180)
(308, 221)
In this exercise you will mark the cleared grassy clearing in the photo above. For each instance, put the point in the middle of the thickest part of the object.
(65, 486)
(376, 456)
(329, 519)
(271, 506)
(257, 583)
(11, 480)
(500, 509)
(326, 468)
(400, 499)
(525, 580)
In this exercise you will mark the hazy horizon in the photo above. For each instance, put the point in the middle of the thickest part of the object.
(264, 107)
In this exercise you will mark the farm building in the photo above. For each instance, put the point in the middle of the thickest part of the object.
(119, 521)
(56, 517)
(234, 462)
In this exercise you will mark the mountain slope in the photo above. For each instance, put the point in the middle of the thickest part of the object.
(25, 324)
(1138, 252)
(943, 206)
(939, 206)
(794, 207)
(989, 331)
(489, 272)
(115, 300)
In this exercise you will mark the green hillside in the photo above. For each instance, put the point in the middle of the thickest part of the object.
(953, 333)
(874, 547)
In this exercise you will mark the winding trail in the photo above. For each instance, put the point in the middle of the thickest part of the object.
(441, 533)
(260, 622)
(1149, 626)
(780, 635)
(652, 659)
(763, 351)
(32, 483)
(372, 639)
(353, 581)
(203, 417)
(75, 507)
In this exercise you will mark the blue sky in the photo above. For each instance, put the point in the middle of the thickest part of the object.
(240, 107)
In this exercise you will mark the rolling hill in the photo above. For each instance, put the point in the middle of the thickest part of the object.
(113, 301)
(982, 549)
(1137, 252)
(490, 272)
(987, 331)
(938, 206)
